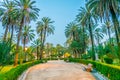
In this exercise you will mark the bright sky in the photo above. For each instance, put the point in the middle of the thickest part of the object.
(61, 11)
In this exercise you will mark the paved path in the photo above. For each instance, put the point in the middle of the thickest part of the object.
(57, 70)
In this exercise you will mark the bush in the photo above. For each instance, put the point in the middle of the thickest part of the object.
(108, 60)
(14, 73)
(110, 71)
(5, 48)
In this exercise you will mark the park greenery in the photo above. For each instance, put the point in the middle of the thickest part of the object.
(94, 35)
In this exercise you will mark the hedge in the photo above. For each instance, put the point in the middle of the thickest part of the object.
(110, 71)
(14, 73)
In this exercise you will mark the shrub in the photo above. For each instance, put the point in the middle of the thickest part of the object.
(5, 48)
(108, 60)
(14, 73)
(108, 70)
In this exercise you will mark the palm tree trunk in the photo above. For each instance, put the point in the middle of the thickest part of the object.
(98, 39)
(78, 52)
(5, 33)
(42, 46)
(41, 50)
(12, 31)
(24, 42)
(18, 41)
(75, 53)
(6, 30)
(44, 38)
(116, 23)
(108, 28)
(92, 41)
(84, 44)
(17, 47)
(37, 53)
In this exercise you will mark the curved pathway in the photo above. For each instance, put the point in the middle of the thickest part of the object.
(57, 70)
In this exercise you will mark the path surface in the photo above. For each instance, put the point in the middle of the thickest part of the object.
(58, 70)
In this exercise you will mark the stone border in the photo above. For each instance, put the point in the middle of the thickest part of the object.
(23, 75)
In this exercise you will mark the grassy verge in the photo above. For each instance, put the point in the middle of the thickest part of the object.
(14, 73)
(6, 68)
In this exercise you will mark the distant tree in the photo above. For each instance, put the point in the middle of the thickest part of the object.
(44, 29)
(36, 45)
(27, 36)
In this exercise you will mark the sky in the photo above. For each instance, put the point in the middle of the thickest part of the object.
(60, 11)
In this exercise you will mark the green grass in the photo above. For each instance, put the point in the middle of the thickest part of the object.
(116, 62)
(6, 68)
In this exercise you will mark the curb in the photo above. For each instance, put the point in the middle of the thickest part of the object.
(23, 75)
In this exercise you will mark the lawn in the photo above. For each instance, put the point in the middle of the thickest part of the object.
(6, 68)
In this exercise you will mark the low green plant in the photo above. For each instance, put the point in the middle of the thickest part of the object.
(5, 48)
(108, 60)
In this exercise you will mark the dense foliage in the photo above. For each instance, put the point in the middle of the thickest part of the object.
(5, 56)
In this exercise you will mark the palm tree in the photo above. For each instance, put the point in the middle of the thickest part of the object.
(106, 10)
(83, 38)
(79, 19)
(36, 44)
(44, 29)
(27, 12)
(48, 27)
(48, 47)
(72, 34)
(107, 28)
(97, 33)
(7, 16)
(88, 19)
(59, 49)
(40, 29)
(27, 35)
(71, 31)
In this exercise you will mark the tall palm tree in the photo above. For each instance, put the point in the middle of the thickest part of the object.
(72, 34)
(107, 9)
(83, 38)
(27, 12)
(40, 32)
(48, 27)
(7, 15)
(89, 18)
(44, 29)
(40, 29)
(27, 36)
(36, 44)
(79, 19)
